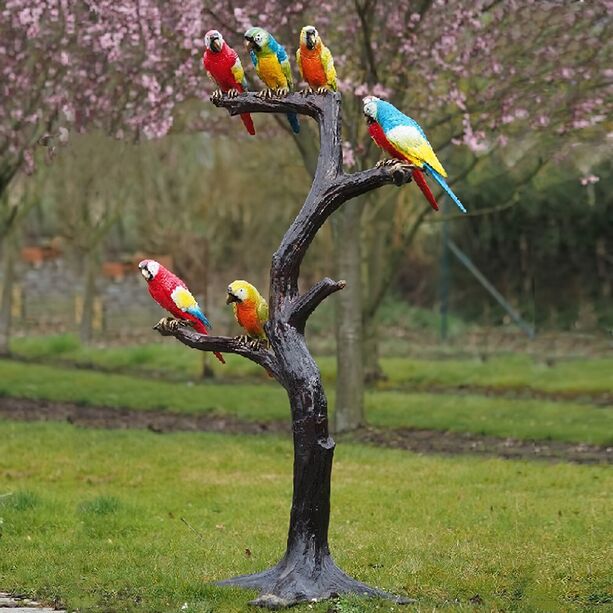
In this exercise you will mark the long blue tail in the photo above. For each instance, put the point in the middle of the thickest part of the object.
(437, 177)
(293, 121)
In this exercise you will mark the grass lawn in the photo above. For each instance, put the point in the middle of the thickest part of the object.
(519, 418)
(94, 521)
(176, 361)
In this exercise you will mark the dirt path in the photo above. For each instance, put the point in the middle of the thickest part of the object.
(419, 441)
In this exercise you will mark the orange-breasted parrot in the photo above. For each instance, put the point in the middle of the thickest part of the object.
(315, 62)
(250, 308)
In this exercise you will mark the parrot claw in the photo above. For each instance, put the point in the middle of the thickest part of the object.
(258, 343)
(282, 92)
(265, 93)
(322, 91)
(243, 339)
(306, 92)
(232, 93)
(389, 162)
(167, 326)
(216, 95)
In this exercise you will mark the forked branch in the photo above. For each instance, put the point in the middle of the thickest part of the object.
(308, 302)
(331, 186)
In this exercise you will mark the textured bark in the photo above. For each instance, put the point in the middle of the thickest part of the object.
(306, 572)
(6, 300)
(349, 408)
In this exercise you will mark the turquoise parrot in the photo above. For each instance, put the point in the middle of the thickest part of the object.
(224, 67)
(272, 65)
(315, 62)
(250, 308)
(404, 138)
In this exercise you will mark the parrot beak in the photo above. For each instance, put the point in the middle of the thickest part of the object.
(231, 298)
(311, 40)
(146, 274)
(250, 44)
(215, 44)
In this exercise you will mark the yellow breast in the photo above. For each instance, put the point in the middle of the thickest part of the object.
(270, 71)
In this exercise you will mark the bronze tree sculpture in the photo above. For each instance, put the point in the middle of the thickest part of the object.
(307, 571)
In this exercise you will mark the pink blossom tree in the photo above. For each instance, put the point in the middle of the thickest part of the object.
(118, 66)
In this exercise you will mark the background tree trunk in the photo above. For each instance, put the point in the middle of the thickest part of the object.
(90, 272)
(8, 276)
(349, 407)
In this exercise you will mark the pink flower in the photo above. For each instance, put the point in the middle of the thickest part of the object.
(589, 180)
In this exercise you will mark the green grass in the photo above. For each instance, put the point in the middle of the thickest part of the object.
(518, 418)
(585, 375)
(94, 521)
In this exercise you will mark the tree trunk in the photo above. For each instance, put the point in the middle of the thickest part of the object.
(8, 276)
(349, 407)
(90, 272)
(306, 572)
(373, 371)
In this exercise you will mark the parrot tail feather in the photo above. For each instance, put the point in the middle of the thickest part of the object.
(248, 122)
(439, 179)
(293, 121)
(420, 180)
(200, 327)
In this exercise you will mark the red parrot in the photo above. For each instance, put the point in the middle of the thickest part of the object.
(376, 132)
(172, 294)
(224, 67)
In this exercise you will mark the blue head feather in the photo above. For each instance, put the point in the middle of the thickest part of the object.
(390, 117)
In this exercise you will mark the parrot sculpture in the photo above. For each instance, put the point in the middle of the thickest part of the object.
(224, 67)
(404, 139)
(272, 65)
(315, 62)
(172, 294)
(250, 308)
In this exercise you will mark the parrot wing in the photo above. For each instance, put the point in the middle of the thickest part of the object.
(254, 58)
(262, 310)
(184, 300)
(285, 65)
(299, 63)
(328, 64)
(239, 73)
(410, 141)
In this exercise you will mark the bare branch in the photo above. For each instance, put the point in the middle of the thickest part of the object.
(184, 333)
(302, 308)
(251, 102)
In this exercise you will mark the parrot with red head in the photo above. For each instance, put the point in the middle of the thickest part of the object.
(172, 294)
(224, 67)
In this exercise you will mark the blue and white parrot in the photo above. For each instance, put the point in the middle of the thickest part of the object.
(405, 140)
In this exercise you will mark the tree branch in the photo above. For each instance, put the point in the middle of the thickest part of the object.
(302, 308)
(184, 333)
(251, 102)
(331, 186)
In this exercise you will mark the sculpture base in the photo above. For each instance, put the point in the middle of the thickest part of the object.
(286, 585)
